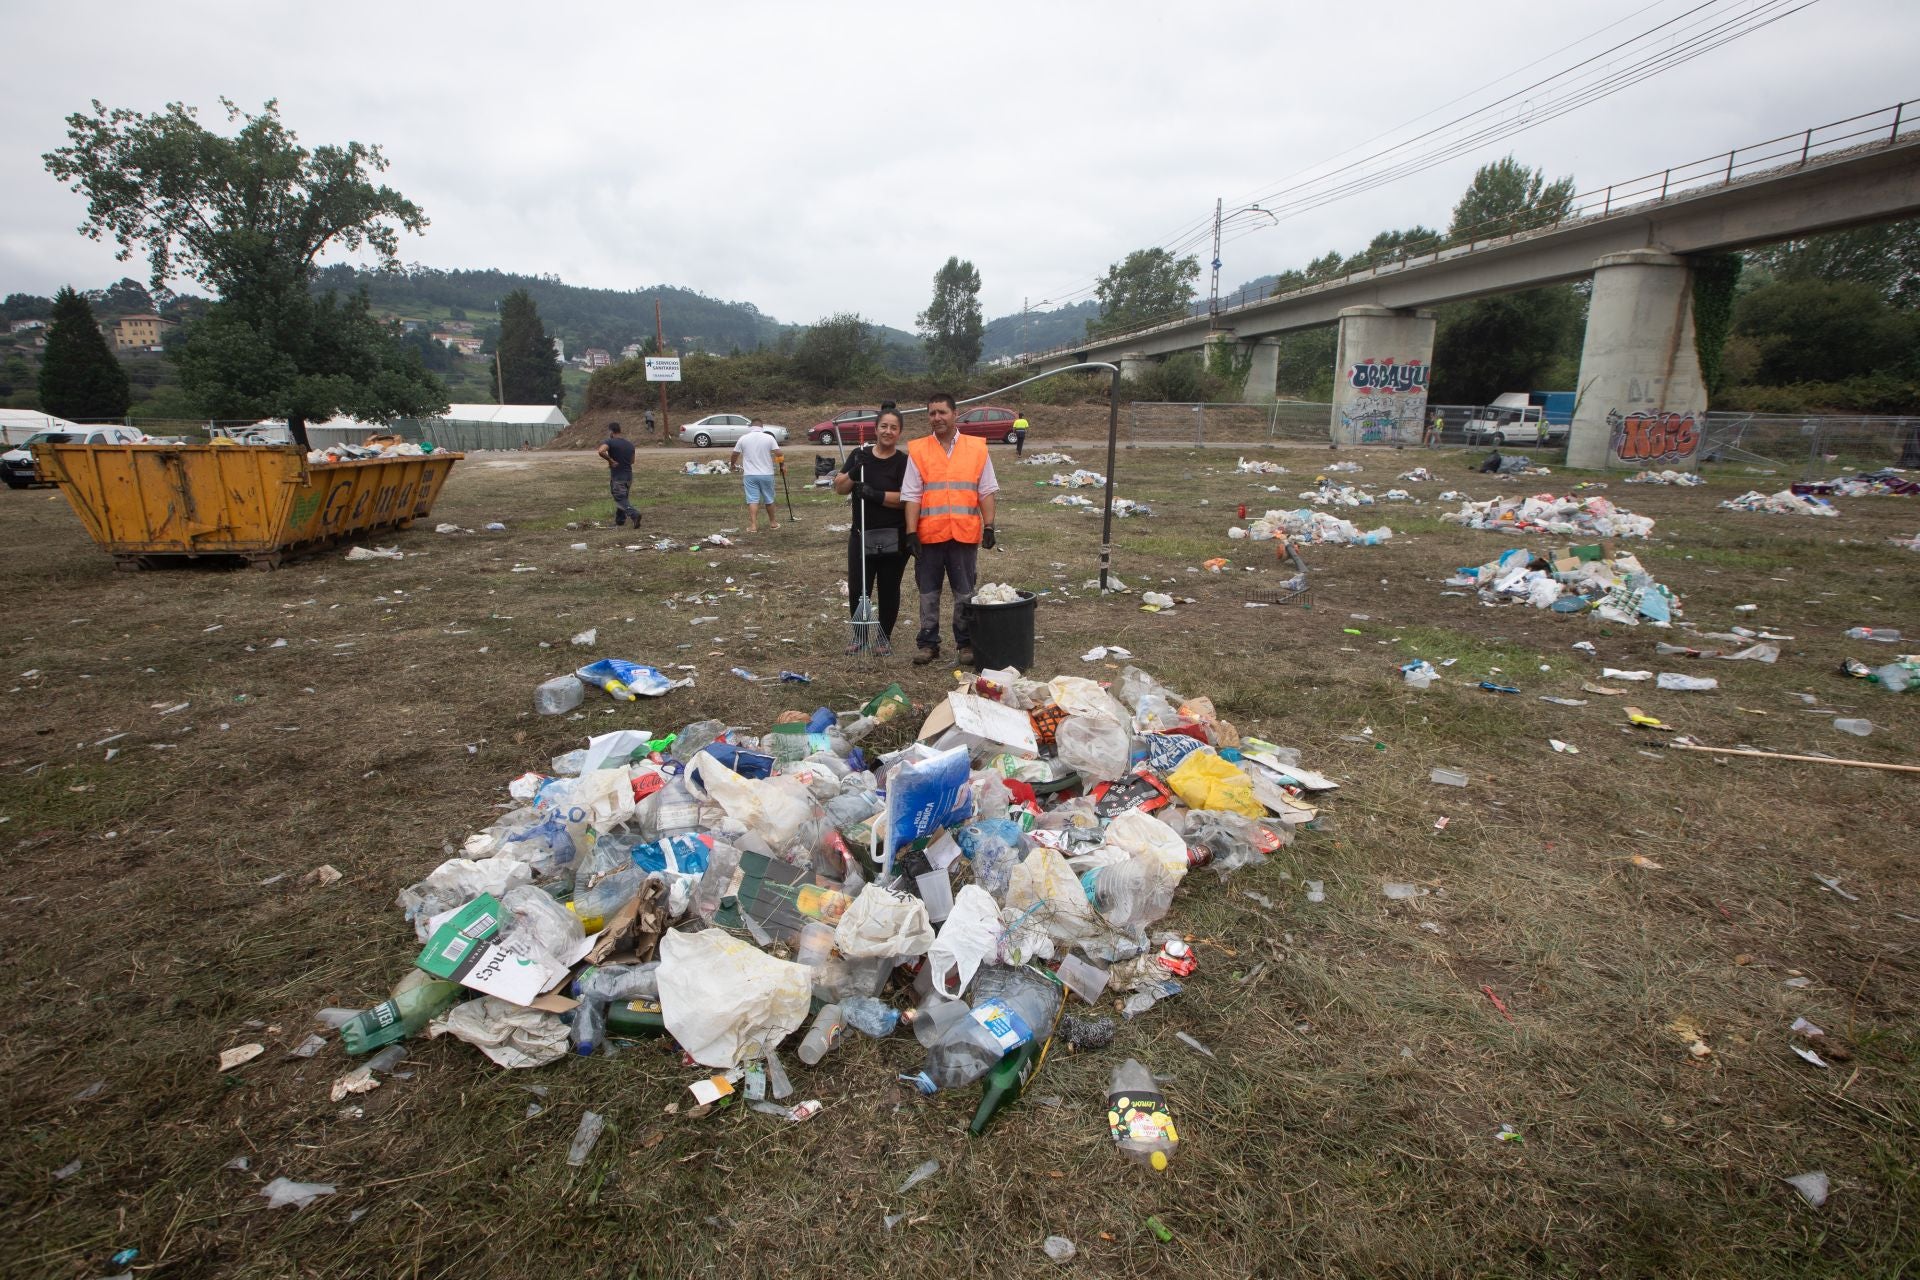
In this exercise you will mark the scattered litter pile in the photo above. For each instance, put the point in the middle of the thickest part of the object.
(727, 891)
(1331, 493)
(716, 467)
(1544, 513)
(1872, 484)
(1314, 527)
(1907, 544)
(372, 449)
(1784, 503)
(1344, 467)
(1122, 507)
(1047, 460)
(1080, 479)
(1416, 475)
(1254, 467)
(1612, 585)
(1685, 479)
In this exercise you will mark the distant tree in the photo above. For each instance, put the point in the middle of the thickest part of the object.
(528, 372)
(456, 313)
(79, 376)
(1824, 331)
(249, 216)
(25, 306)
(1506, 197)
(951, 325)
(1495, 345)
(1412, 242)
(837, 351)
(1147, 286)
(15, 375)
(125, 297)
(1885, 258)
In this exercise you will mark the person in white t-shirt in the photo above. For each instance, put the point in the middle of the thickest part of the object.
(757, 456)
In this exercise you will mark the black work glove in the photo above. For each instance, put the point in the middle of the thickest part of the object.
(873, 493)
(986, 537)
(912, 543)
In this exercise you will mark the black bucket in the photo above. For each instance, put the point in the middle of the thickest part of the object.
(1003, 634)
(823, 466)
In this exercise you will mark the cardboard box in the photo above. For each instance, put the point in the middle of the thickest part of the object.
(459, 950)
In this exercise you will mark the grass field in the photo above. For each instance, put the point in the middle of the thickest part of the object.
(154, 907)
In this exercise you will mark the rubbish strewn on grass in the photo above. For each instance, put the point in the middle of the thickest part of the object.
(1784, 503)
(1544, 513)
(1685, 479)
(1615, 587)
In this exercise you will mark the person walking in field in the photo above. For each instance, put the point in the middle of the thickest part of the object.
(1020, 435)
(757, 457)
(618, 451)
(948, 491)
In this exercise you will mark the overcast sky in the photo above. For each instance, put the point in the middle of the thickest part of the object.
(815, 158)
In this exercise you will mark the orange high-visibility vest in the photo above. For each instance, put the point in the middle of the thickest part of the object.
(949, 487)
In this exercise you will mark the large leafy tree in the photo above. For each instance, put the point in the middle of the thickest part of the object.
(1885, 258)
(1506, 196)
(528, 372)
(1515, 342)
(1148, 286)
(951, 325)
(838, 351)
(249, 216)
(80, 377)
(1825, 331)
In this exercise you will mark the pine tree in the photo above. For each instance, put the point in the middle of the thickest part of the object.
(80, 378)
(528, 372)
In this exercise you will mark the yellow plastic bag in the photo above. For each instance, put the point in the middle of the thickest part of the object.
(1205, 781)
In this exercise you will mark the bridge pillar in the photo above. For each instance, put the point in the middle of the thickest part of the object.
(1134, 364)
(1641, 402)
(1380, 375)
(1263, 375)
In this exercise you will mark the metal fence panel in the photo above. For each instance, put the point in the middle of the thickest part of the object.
(1223, 423)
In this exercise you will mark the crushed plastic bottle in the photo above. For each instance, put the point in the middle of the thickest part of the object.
(584, 1138)
(1138, 1118)
(1881, 635)
(597, 987)
(1858, 728)
(870, 1016)
(559, 695)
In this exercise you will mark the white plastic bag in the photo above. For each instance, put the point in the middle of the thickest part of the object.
(1096, 747)
(509, 1034)
(967, 939)
(881, 924)
(456, 882)
(772, 808)
(1044, 881)
(1079, 696)
(1143, 835)
(284, 1191)
(725, 1001)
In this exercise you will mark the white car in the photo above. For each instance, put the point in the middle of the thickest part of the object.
(724, 428)
(17, 465)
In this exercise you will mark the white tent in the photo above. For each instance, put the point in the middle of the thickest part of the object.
(519, 415)
(17, 424)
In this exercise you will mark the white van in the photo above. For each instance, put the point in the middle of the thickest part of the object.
(16, 465)
(1513, 419)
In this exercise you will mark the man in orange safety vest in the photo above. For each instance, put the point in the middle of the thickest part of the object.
(948, 493)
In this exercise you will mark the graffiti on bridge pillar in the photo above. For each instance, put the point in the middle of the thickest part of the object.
(1383, 402)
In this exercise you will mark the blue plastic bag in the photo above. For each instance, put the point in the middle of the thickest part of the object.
(643, 680)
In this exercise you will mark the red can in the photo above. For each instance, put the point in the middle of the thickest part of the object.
(1243, 511)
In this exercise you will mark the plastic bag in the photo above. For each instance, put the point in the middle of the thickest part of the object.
(1096, 747)
(881, 924)
(773, 808)
(456, 882)
(1135, 684)
(967, 939)
(725, 1001)
(1079, 696)
(1046, 897)
(1144, 836)
(995, 848)
(512, 1036)
(643, 680)
(540, 927)
(285, 1191)
(1205, 781)
(1130, 895)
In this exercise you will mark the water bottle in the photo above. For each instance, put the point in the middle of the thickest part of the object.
(416, 1001)
(1885, 635)
(596, 905)
(1010, 1006)
(822, 1035)
(1896, 677)
(1138, 1118)
(597, 987)
(1010, 1077)
(870, 1016)
(722, 864)
(933, 1019)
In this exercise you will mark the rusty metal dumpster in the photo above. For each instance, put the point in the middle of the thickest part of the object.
(148, 505)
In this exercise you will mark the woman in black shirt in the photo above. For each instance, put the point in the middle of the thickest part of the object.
(873, 475)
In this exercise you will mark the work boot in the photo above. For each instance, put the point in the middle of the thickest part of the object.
(925, 656)
(964, 655)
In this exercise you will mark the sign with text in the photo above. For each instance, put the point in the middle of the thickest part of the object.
(663, 368)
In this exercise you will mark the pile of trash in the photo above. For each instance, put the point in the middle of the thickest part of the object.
(726, 891)
(716, 467)
(1416, 475)
(1254, 467)
(1080, 479)
(1122, 507)
(1331, 493)
(1907, 544)
(363, 452)
(1615, 587)
(1686, 479)
(1317, 528)
(1544, 513)
(1047, 460)
(1886, 482)
(1343, 467)
(1784, 503)
(1511, 464)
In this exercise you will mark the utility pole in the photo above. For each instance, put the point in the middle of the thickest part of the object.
(660, 349)
(1213, 291)
(499, 378)
(1023, 326)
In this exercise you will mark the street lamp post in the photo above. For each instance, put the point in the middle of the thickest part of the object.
(1221, 217)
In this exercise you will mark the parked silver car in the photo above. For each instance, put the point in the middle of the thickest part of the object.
(723, 428)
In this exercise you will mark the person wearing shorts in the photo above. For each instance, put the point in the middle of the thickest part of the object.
(757, 456)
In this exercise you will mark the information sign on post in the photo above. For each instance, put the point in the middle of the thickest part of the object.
(663, 368)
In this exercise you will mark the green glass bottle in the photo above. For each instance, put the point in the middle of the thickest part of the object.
(415, 1002)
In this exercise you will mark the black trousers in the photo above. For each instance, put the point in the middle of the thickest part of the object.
(882, 585)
